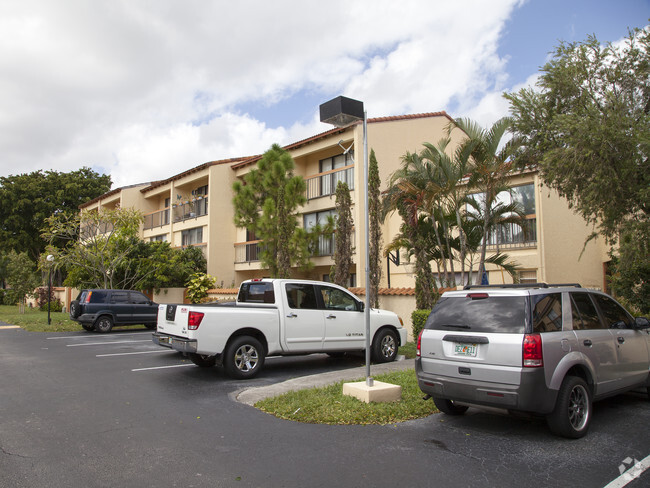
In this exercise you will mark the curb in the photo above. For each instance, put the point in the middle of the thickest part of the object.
(251, 396)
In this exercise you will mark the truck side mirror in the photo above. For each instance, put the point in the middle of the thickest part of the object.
(641, 323)
(362, 306)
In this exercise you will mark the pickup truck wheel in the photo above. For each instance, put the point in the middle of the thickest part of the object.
(151, 326)
(203, 360)
(384, 346)
(449, 407)
(572, 412)
(104, 324)
(244, 357)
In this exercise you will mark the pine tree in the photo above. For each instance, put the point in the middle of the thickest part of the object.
(374, 217)
(343, 253)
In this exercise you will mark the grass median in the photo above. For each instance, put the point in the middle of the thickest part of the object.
(328, 405)
(35, 320)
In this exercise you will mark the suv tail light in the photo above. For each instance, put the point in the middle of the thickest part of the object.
(194, 320)
(418, 351)
(532, 351)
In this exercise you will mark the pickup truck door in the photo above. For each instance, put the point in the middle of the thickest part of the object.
(303, 321)
(344, 322)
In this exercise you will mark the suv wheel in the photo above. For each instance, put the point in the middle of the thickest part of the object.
(88, 327)
(75, 309)
(572, 412)
(104, 324)
(449, 407)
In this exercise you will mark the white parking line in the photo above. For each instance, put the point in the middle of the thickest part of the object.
(89, 335)
(102, 343)
(632, 473)
(128, 353)
(163, 367)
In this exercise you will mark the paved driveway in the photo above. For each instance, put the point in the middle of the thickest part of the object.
(83, 409)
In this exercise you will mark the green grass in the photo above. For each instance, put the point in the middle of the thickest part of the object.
(34, 320)
(328, 405)
(408, 350)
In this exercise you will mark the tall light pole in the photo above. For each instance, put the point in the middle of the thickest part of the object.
(50, 260)
(341, 112)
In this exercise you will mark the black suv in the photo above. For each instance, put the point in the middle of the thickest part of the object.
(101, 309)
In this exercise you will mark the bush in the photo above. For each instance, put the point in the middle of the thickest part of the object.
(198, 286)
(418, 319)
(41, 300)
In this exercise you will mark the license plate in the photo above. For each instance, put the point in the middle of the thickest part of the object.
(466, 350)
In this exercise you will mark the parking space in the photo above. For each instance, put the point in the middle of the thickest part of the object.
(86, 409)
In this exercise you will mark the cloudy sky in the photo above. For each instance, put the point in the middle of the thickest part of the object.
(145, 89)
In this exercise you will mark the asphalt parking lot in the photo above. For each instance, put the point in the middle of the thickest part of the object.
(85, 409)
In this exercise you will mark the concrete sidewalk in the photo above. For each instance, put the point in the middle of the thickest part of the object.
(250, 396)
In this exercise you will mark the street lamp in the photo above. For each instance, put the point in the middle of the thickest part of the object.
(341, 112)
(50, 260)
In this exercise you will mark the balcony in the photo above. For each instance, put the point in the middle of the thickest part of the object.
(324, 184)
(249, 252)
(190, 210)
(512, 236)
(156, 219)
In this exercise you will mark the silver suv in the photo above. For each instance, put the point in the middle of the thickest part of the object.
(542, 349)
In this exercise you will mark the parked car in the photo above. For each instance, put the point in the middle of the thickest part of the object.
(101, 309)
(544, 349)
(277, 317)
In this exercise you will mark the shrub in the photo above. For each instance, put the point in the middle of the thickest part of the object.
(198, 286)
(418, 319)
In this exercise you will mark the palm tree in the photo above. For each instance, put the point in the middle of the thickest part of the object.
(491, 165)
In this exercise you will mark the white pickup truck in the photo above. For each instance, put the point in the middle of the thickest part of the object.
(277, 317)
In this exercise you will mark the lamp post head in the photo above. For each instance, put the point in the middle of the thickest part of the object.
(341, 111)
(50, 258)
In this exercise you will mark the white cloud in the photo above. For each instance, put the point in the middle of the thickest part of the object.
(144, 90)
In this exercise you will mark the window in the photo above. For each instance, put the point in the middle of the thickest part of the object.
(160, 238)
(193, 236)
(547, 313)
(301, 296)
(200, 191)
(329, 181)
(256, 292)
(584, 312)
(97, 296)
(615, 316)
(325, 244)
(511, 234)
(527, 276)
(335, 299)
(120, 297)
(139, 298)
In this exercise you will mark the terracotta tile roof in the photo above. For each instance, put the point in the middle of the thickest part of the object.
(337, 130)
(110, 194)
(223, 291)
(196, 169)
(386, 291)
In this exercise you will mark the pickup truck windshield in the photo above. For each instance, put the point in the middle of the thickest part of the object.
(256, 292)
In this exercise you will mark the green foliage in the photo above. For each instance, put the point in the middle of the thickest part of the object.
(418, 319)
(27, 200)
(41, 300)
(266, 203)
(22, 278)
(631, 268)
(328, 405)
(110, 254)
(374, 224)
(587, 128)
(198, 286)
(343, 252)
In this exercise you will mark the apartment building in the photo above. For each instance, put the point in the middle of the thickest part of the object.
(194, 208)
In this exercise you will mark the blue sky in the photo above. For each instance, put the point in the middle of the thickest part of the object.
(144, 90)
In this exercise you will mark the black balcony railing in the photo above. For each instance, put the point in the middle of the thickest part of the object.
(512, 236)
(156, 219)
(190, 210)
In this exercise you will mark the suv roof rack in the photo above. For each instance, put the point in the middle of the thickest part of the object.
(524, 285)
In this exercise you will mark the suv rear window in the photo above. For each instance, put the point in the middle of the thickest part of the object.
(97, 296)
(256, 292)
(478, 312)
